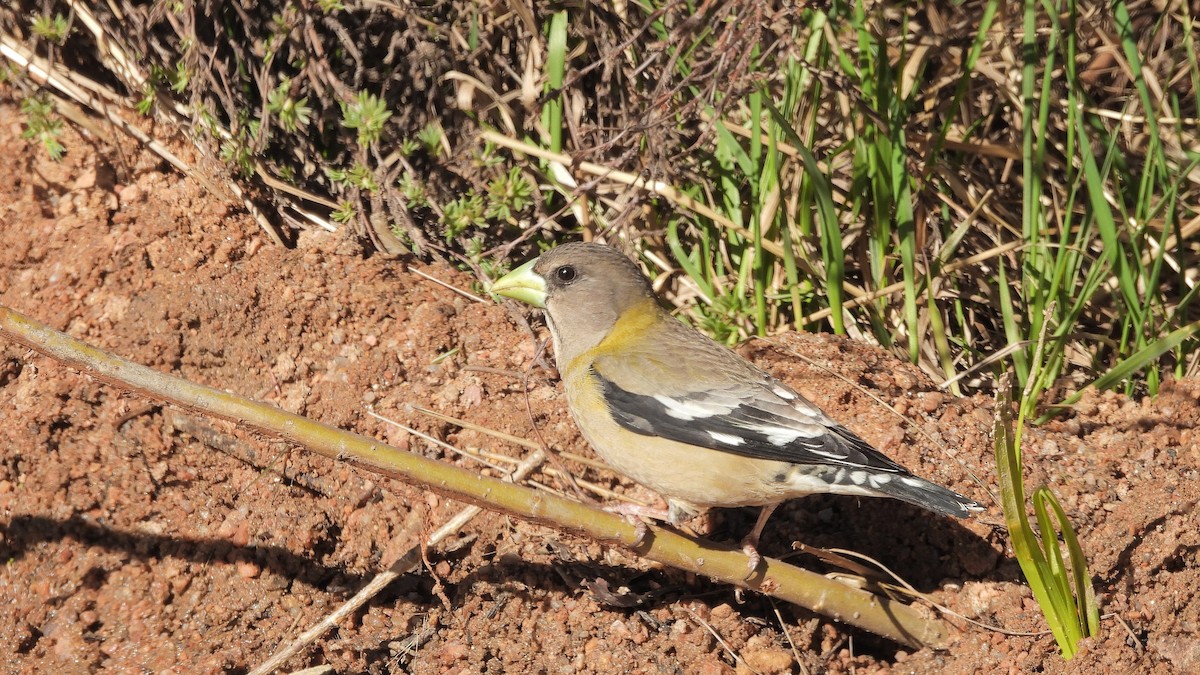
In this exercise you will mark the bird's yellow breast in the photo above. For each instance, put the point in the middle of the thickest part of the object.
(631, 329)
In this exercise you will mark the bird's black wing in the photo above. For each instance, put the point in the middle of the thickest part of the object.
(761, 419)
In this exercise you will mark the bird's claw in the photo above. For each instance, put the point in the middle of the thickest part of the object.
(640, 530)
(755, 558)
(633, 514)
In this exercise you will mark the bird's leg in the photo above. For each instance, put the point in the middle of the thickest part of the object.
(750, 542)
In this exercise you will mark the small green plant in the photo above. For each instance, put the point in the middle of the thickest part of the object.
(176, 79)
(475, 247)
(282, 22)
(330, 6)
(1066, 597)
(363, 178)
(463, 213)
(42, 125)
(431, 137)
(359, 176)
(492, 269)
(720, 320)
(53, 29)
(487, 157)
(508, 193)
(413, 190)
(366, 113)
(236, 150)
(180, 78)
(145, 104)
(292, 114)
(344, 213)
(408, 146)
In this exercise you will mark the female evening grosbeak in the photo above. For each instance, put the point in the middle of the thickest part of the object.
(665, 405)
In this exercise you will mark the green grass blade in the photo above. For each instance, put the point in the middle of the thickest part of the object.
(696, 270)
(556, 65)
(1143, 358)
(1085, 594)
(1058, 583)
(832, 250)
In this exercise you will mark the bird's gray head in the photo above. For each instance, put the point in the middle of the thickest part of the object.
(584, 289)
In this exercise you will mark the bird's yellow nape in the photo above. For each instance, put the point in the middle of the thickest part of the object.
(524, 285)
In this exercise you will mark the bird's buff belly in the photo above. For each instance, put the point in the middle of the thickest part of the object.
(698, 477)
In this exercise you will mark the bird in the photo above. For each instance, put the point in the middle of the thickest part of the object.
(685, 416)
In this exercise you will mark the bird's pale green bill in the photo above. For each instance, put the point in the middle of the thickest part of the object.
(522, 284)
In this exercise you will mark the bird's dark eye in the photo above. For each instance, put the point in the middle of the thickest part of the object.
(566, 274)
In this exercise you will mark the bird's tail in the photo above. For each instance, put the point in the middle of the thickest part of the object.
(927, 495)
(872, 482)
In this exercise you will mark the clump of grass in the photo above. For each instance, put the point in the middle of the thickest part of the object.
(864, 185)
(1063, 591)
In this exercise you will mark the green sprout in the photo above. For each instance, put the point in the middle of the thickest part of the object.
(413, 190)
(508, 193)
(236, 150)
(1064, 594)
(344, 214)
(431, 138)
(53, 29)
(463, 213)
(359, 176)
(408, 146)
(362, 177)
(42, 125)
(367, 113)
(292, 114)
(180, 78)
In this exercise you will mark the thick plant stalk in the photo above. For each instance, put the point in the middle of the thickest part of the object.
(882, 616)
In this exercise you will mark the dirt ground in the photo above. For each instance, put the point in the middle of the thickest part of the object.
(137, 538)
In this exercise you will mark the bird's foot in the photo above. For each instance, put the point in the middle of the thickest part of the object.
(750, 548)
(633, 514)
(750, 543)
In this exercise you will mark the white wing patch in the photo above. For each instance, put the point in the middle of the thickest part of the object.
(680, 409)
(780, 436)
(691, 409)
(727, 439)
